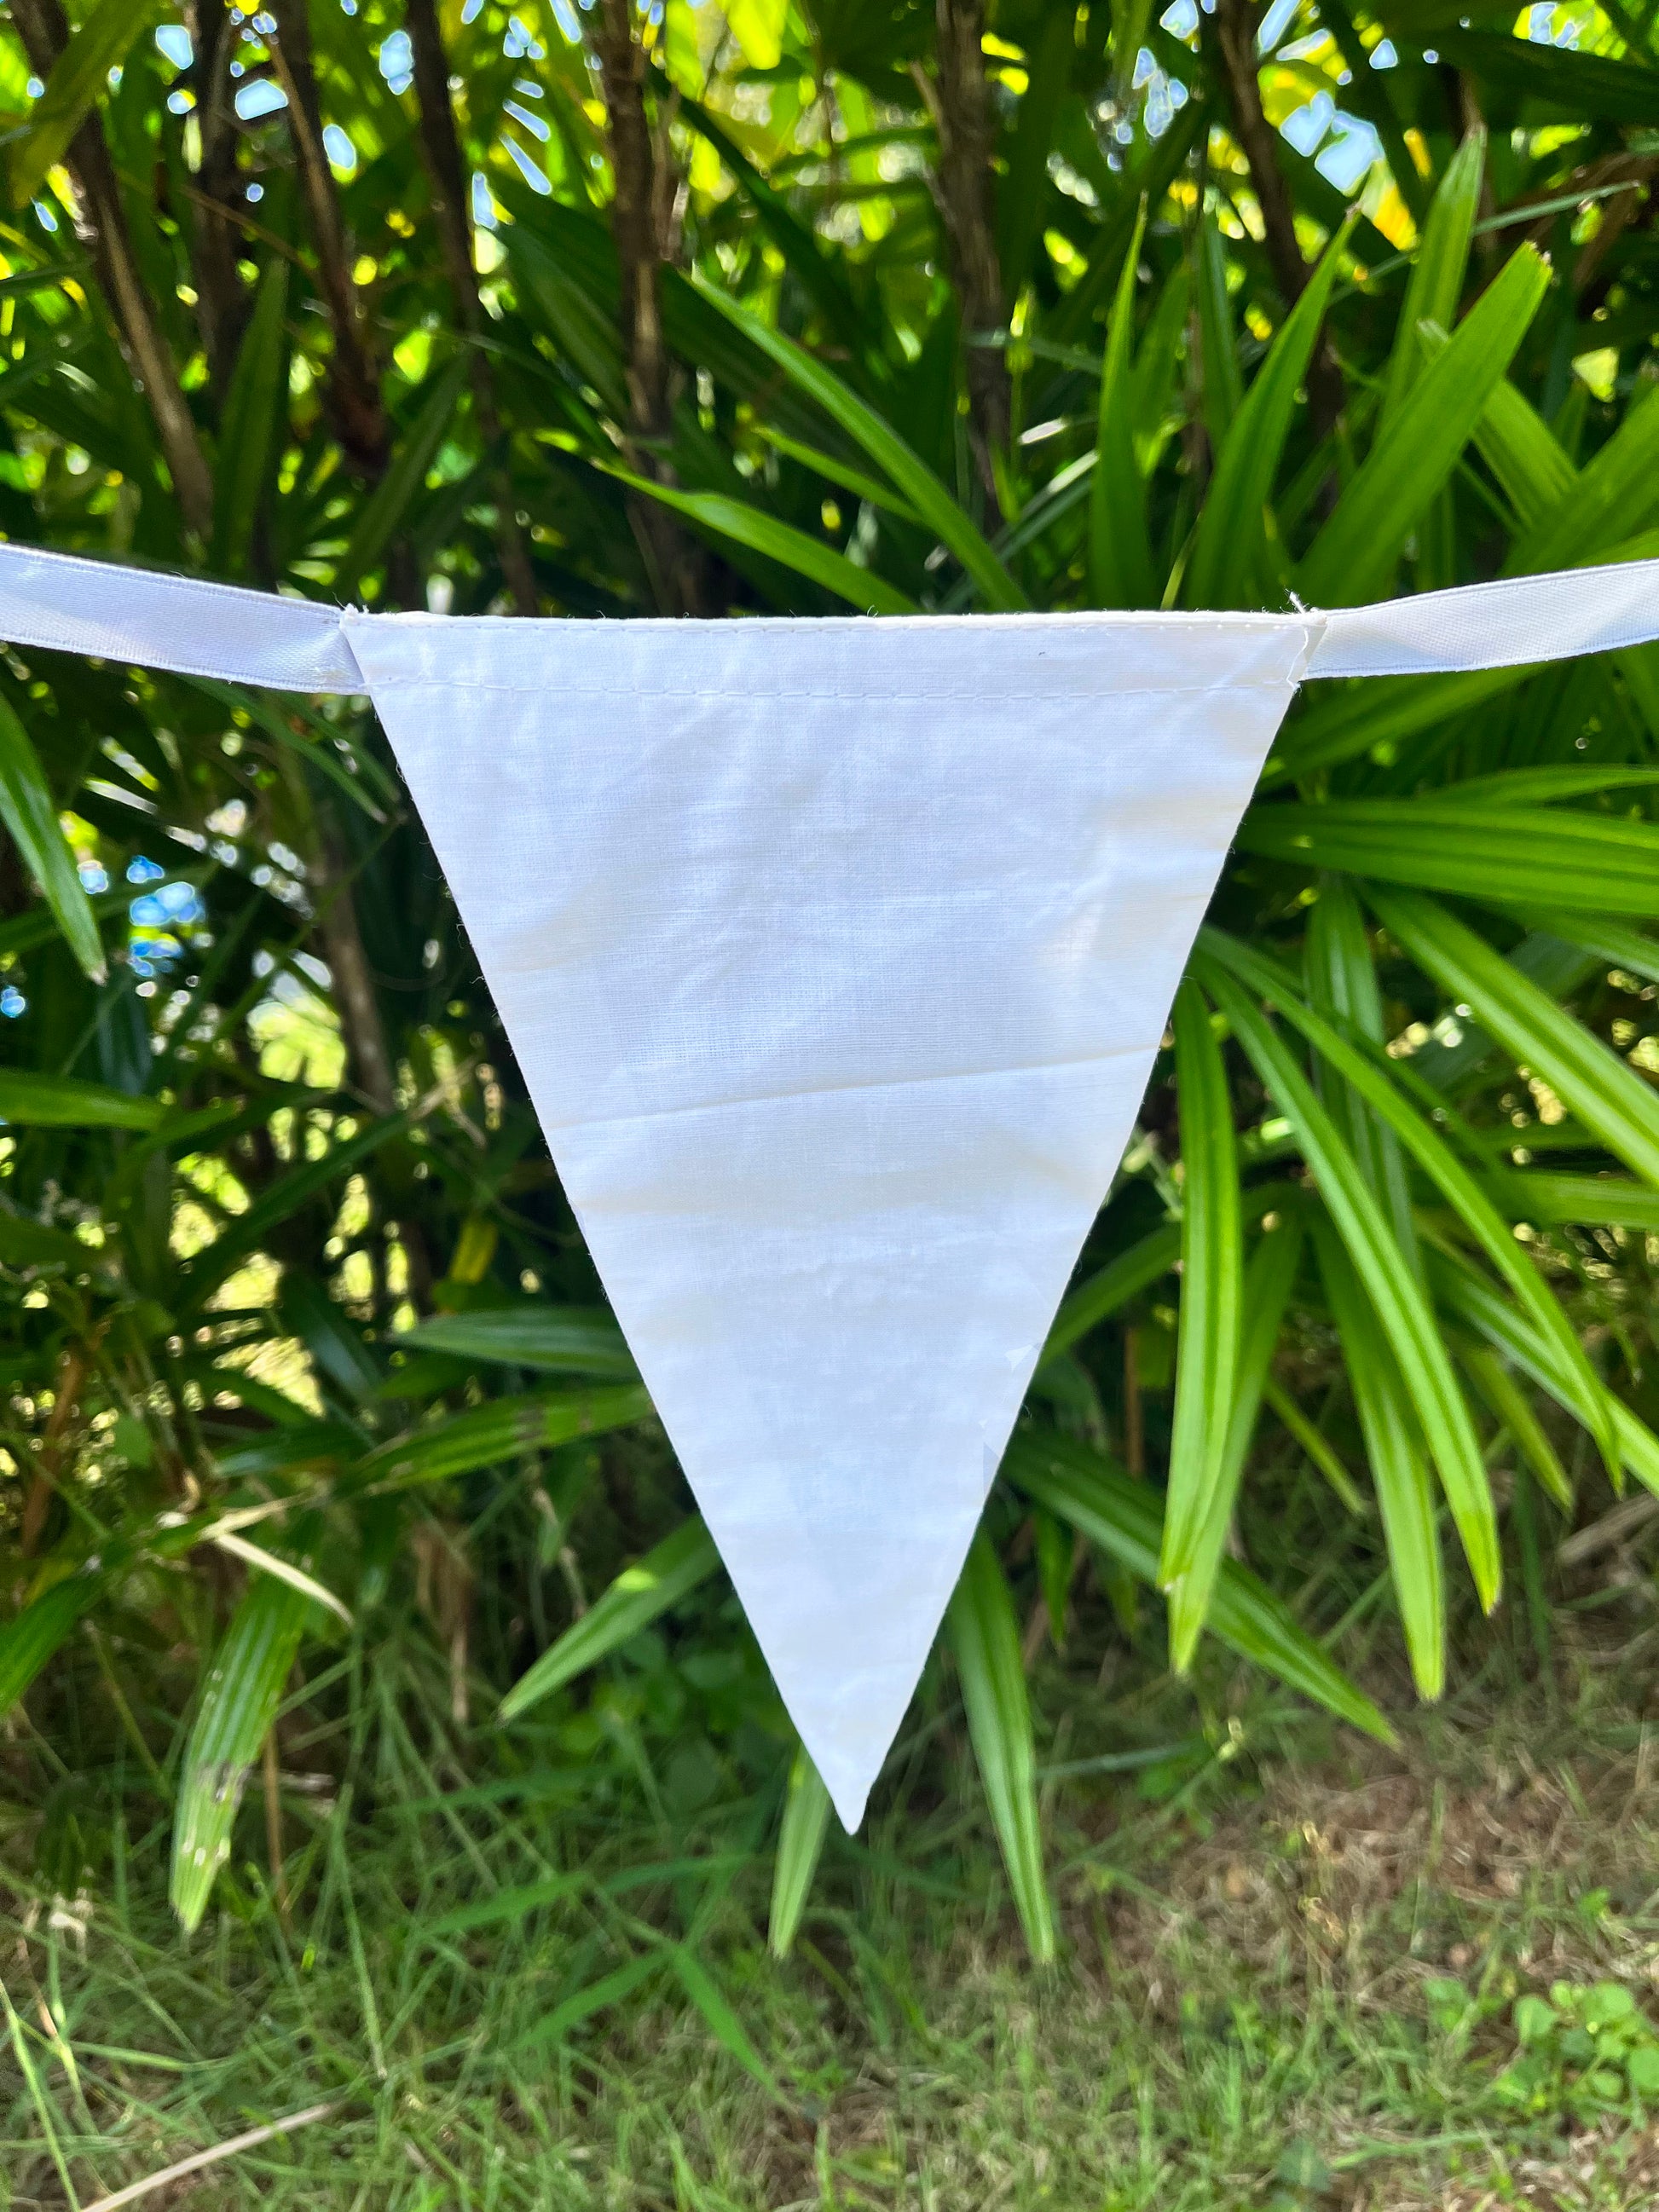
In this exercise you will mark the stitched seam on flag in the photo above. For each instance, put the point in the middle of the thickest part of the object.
(1150, 621)
(834, 1089)
(878, 697)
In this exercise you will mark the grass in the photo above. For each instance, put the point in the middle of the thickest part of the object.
(1291, 1962)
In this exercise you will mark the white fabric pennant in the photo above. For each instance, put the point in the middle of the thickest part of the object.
(836, 955)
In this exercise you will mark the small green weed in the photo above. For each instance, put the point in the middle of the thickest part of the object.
(1584, 2053)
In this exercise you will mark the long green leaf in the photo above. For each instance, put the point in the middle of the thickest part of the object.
(800, 1845)
(719, 2017)
(1224, 388)
(779, 541)
(79, 79)
(594, 1997)
(247, 1675)
(1405, 1492)
(1522, 450)
(31, 1637)
(1229, 555)
(1515, 856)
(639, 1594)
(1119, 550)
(1401, 1307)
(1378, 715)
(502, 1429)
(1498, 1387)
(1120, 1281)
(254, 419)
(1315, 1445)
(562, 1340)
(985, 1637)
(1435, 283)
(1615, 942)
(1410, 1129)
(1353, 556)
(1267, 1288)
(1342, 985)
(908, 475)
(1616, 494)
(1605, 1202)
(28, 810)
(1083, 1488)
(1592, 1082)
(63, 1102)
(1211, 1284)
(1478, 1303)
(383, 513)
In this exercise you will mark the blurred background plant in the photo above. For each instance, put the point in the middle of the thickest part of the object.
(318, 1442)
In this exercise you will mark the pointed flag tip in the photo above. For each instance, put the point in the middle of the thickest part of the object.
(849, 1794)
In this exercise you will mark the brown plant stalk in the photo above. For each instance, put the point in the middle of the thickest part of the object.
(100, 224)
(958, 99)
(642, 225)
(440, 150)
(222, 303)
(354, 384)
(1233, 34)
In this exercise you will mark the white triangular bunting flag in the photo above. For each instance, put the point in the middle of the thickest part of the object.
(836, 956)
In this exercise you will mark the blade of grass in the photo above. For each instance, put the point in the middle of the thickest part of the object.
(985, 1639)
(800, 1845)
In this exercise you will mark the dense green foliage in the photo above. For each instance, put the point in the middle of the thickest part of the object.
(298, 1326)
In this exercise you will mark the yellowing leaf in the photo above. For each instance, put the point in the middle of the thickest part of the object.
(758, 27)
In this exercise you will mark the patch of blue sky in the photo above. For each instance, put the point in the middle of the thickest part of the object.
(1306, 128)
(537, 125)
(260, 98)
(1350, 155)
(1274, 24)
(533, 175)
(174, 906)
